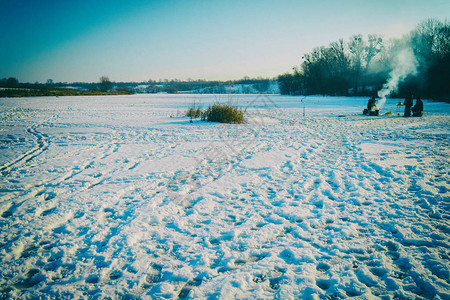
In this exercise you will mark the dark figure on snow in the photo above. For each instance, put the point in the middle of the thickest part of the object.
(418, 108)
(408, 103)
(371, 107)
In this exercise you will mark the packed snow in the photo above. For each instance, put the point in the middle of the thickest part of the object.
(123, 197)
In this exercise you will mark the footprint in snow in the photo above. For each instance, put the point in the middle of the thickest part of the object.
(78, 214)
(30, 279)
(186, 289)
(250, 259)
(61, 230)
(154, 275)
(324, 284)
(274, 277)
(288, 256)
(49, 196)
(93, 279)
(48, 211)
(322, 267)
(29, 251)
(115, 274)
(10, 211)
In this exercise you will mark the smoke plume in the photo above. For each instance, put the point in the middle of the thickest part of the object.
(405, 64)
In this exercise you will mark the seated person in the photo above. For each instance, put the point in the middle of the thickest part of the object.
(371, 107)
(417, 109)
(371, 104)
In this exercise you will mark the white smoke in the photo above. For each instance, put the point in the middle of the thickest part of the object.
(405, 63)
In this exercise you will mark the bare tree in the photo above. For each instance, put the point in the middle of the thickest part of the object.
(105, 84)
(373, 47)
(357, 47)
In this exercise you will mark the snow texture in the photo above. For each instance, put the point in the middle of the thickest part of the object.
(121, 197)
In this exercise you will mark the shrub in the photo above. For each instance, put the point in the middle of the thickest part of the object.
(224, 114)
(171, 90)
(194, 112)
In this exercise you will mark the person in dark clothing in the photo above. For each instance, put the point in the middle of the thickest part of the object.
(372, 102)
(408, 103)
(418, 108)
(371, 107)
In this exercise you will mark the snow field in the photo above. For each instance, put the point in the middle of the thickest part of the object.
(112, 197)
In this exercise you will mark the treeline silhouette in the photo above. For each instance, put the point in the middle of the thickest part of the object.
(216, 87)
(11, 87)
(360, 66)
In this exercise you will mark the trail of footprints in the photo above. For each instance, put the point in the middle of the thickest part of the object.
(293, 190)
(274, 277)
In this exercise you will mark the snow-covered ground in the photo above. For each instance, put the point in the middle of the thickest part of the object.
(121, 197)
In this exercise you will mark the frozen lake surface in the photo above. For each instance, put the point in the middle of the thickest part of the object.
(122, 197)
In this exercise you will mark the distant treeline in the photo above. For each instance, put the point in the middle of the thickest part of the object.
(259, 84)
(40, 92)
(362, 66)
(195, 85)
(11, 87)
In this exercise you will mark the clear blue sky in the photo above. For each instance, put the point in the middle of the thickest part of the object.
(137, 40)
